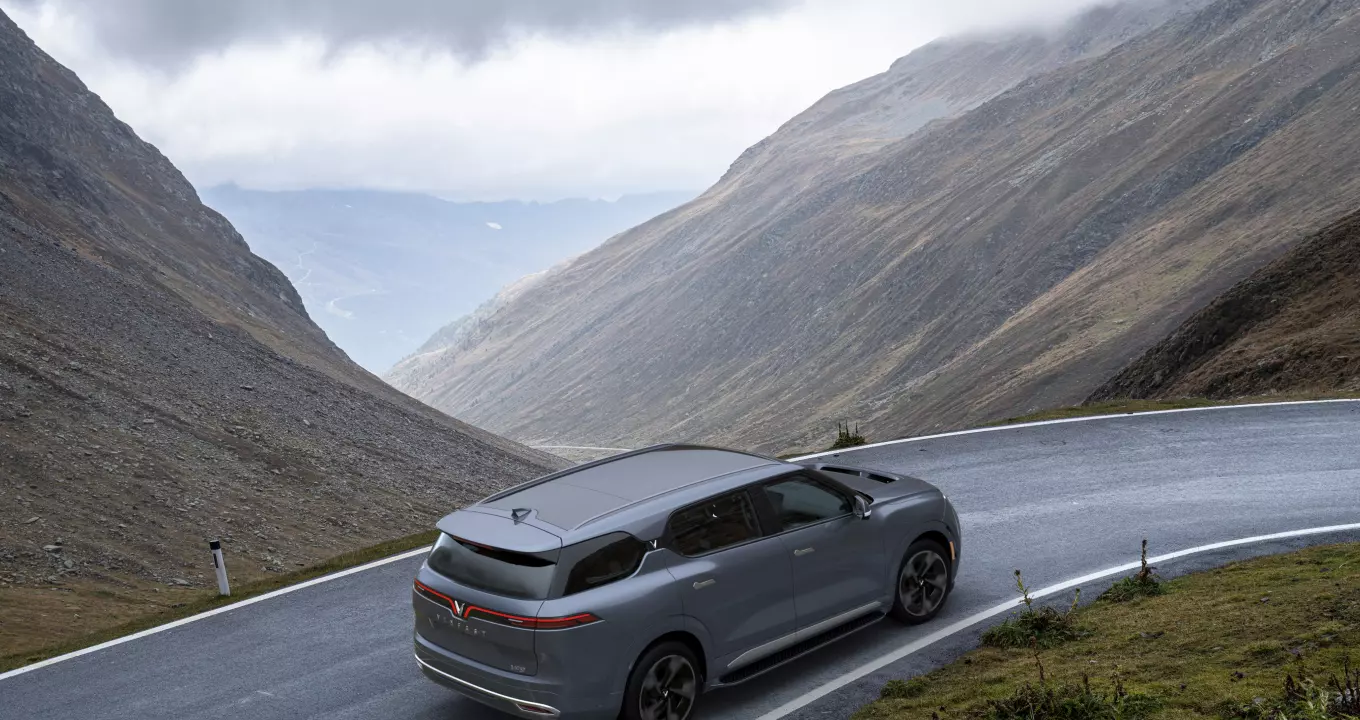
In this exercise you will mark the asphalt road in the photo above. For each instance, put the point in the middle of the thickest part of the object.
(1057, 501)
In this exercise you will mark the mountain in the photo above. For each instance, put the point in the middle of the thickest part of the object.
(160, 385)
(380, 271)
(1010, 254)
(1292, 327)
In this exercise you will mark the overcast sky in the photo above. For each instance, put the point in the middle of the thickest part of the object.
(481, 99)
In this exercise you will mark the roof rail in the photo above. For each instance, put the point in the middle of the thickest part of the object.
(594, 463)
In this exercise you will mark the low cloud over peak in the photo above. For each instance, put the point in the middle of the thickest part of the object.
(169, 32)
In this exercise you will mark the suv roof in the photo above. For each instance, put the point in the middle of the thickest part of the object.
(574, 497)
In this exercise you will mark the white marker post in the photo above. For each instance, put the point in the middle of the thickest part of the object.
(222, 587)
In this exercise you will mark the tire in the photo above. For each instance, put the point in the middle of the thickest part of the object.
(924, 581)
(665, 684)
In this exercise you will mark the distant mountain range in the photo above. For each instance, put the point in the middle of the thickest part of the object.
(381, 271)
(994, 225)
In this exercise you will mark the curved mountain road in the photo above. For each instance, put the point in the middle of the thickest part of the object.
(1056, 500)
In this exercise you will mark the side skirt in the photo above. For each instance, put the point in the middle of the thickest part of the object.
(789, 654)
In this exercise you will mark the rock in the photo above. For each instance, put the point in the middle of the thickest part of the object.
(31, 520)
(149, 421)
(68, 563)
(180, 582)
(306, 422)
(52, 548)
(248, 387)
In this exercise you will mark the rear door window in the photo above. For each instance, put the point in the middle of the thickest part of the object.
(601, 561)
(714, 524)
(497, 571)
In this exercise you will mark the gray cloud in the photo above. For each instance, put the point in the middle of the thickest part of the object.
(166, 32)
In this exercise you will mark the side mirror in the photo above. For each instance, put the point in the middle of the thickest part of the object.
(861, 507)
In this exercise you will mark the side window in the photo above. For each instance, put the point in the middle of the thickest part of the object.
(715, 524)
(606, 559)
(800, 501)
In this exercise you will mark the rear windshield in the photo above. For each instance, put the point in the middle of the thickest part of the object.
(582, 566)
(497, 571)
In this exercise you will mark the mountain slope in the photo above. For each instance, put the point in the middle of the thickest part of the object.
(1291, 327)
(1012, 257)
(160, 385)
(380, 271)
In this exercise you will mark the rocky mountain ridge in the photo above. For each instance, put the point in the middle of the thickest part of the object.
(161, 385)
(1003, 259)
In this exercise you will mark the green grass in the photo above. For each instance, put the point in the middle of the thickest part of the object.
(1143, 583)
(1223, 644)
(205, 601)
(1040, 627)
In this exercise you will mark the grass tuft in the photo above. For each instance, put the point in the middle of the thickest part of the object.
(902, 689)
(1071, 701)
(1337, 697)
(1144, 583)
(846, 438)
(1043, 627)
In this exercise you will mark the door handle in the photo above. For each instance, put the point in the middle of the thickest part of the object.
(804, 551)
(701, 584)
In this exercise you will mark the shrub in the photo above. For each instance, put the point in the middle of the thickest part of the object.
(1144, 583)
(1043, 627)
(846, 438)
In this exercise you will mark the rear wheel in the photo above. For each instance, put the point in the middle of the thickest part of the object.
(664, 684)
(922, 583)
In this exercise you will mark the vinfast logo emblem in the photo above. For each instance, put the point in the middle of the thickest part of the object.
(460, 609)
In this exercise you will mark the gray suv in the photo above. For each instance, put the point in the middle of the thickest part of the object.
(629, 586)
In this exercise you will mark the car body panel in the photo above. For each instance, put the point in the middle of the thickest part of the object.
(734, 606)
(742, 596)
(837, 567)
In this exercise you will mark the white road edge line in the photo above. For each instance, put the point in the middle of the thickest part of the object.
(1060, 421)
(577, 447)
(957, 627)
(413, 553)
(215, 611)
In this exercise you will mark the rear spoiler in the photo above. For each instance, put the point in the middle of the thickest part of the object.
(500, 532)
(884, 477)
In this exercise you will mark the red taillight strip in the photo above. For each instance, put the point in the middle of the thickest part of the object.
(556, 623)
(519, 621)
(426, 590)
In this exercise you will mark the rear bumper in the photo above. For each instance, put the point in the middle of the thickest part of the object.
(518, 707)
(517, 695)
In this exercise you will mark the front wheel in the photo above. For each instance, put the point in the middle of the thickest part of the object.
(664, 684)
(922, 583)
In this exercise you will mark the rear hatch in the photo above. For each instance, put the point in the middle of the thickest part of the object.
(481, 588)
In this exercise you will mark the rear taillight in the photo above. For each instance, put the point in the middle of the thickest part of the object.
(468, 611)
(519, 621)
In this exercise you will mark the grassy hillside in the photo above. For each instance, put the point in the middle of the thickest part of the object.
(1256, 640)
(1291, 327)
